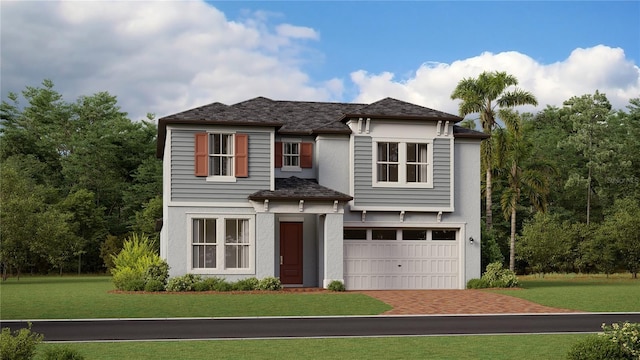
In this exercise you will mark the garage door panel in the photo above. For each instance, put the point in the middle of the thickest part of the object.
(381, 264)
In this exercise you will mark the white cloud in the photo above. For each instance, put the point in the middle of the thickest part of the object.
(299, 32)
(159, 57)
(583, 72)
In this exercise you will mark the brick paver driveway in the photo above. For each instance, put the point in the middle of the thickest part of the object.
(420, 302)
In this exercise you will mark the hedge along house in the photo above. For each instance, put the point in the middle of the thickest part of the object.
(380, 196)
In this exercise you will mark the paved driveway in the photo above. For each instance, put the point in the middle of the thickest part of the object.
(420, 302)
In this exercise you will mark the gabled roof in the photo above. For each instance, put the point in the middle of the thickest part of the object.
(390, 108)
(295, 188)
(297, 117)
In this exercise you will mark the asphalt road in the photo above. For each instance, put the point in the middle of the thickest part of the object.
(220, 328)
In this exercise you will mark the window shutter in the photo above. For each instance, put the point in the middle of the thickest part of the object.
(306, 155)
(241, 155)
(201, 164)
(278, 155)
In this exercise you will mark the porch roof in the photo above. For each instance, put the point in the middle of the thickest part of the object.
(295, 188)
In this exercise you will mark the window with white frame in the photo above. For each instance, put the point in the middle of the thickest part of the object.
(204, 243)
(402, 164)
(417, 163)
(221, 154)
(236, 243)
(388, 162)
(291, 155)
(221, 243)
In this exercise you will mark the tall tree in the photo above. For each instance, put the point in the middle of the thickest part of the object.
(522, 173)
(588, 115)
(485, 95)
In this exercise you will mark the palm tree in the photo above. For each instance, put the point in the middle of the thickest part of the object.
(485, 96)
(512, 150)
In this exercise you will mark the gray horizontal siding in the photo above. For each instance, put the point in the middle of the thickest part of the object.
(367, 195)
(187, 187)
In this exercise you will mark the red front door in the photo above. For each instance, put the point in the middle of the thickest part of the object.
(291, 253)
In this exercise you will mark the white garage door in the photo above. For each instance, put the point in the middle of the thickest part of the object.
(377, 259)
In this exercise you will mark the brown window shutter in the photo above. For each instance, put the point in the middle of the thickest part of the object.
(201, 164)
(278, 155)
(306, 155)
(241, 155)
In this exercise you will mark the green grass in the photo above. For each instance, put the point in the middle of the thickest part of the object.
(73, 297)
(497, 347)
(593, 293)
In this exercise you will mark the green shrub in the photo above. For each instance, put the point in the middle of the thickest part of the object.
(269, 283)
(247, 284)
(477, 284)
(183, 283)
(128, 279)
(158, 271)
(154, 286)
(214, 283)
(336, 285)
(222, 286)
(19, 345)
(596, 347)
(496, 276)
(62, 353)
(137, 263)
(626, 336)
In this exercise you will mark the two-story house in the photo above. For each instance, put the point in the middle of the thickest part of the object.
(380, 196)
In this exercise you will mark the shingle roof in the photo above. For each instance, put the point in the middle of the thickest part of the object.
(396, 109)
(460, 132)
(297, 117)
(295, 188)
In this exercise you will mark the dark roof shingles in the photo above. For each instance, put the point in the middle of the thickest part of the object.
(295, 188)
(297, 117)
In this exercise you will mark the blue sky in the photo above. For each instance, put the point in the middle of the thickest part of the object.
(165, 57)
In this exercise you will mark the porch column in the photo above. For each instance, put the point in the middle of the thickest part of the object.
(265, 251)
(333, 248)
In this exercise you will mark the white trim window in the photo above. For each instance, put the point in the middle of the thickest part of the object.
(221, 244)
(417, 163)
(403, 164)
(221, 154)
(387, 163)
(291, 156)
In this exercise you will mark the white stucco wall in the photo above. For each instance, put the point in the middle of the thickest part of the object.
(467, 201)
(333, 162)
(333, 249)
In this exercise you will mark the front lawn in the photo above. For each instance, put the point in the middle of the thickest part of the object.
(80, 297)
(497, 347)
(593, 293)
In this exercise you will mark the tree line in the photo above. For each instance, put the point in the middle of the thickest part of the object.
(566, 179)
(75, 178)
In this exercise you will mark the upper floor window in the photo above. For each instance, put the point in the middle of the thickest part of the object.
(402, 164)
(221, 156)
(388, 162)
(417, 163)
(293, 155)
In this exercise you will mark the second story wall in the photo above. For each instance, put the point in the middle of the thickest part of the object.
(389, 145)
(186, 187)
